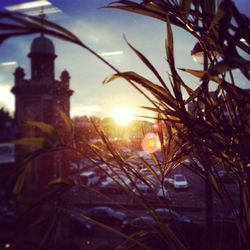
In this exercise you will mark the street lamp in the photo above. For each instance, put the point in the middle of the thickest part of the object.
(198, 53)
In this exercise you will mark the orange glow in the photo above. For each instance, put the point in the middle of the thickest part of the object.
(88, 242)
(151, 143)
(7, 245)
(122, 115)
(189, 27)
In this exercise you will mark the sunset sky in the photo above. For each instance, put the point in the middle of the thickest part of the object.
(102, 30)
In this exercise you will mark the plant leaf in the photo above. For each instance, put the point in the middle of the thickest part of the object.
(30, 141)
(67, 121)
(62, 181)
(148, 64)
(154, 89)
(202, 74)
(45, 127)
(228, 64)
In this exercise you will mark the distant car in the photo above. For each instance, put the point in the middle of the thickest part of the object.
(89, 178)
(109, 185)
(106, 215)
(169, 180)
(226, 176)
(138, 224)
(180, 181)
(79, 225)
(171, 215)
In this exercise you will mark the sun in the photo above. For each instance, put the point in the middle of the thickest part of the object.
(122, 115)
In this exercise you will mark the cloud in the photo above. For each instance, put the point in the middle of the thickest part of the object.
(6, 97)
(85, 110)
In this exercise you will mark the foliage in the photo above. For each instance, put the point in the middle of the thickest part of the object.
(6, 123)
(215, 134)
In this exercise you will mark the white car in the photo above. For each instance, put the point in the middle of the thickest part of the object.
(89, 178)
(180, 181)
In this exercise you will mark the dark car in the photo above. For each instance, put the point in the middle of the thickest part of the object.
(79, 225)
(109, 186)
(166, 215)
(145, 223)
(226, 177)
(106, 215)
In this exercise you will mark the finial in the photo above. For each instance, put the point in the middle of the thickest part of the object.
(42, 17)
(65, 76)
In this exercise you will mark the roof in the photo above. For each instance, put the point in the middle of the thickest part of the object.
(43, 45)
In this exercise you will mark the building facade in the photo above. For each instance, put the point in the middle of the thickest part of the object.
(41, 98)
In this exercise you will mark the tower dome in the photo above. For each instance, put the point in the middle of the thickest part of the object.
(42, 45)
(42, 55)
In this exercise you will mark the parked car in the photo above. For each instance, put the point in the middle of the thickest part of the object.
(226, 176)
(138, 224)
(79, 225)
(169, 180)
(180, 181)
(89, 178)
(169, 215)
(145, 188)
(106, 215)
(109, 185)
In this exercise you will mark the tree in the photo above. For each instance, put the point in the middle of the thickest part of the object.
(6, 125)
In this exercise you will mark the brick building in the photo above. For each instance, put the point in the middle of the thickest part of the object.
(41, 98)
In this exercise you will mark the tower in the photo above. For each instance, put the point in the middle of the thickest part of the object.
(41, 98)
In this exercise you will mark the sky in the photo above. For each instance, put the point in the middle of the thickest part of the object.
(102, 30)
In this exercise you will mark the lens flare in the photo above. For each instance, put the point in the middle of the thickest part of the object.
(151, 143)
(7, 245)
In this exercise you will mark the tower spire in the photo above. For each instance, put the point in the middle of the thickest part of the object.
(42, 16)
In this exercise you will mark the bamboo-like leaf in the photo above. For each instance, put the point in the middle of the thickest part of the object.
(105, 227)
(154, 89)
(50, 228)
(9, 26)
(228, 64)
(6, 36)
(187, 4)
(57, 27)
(20, 182)
(41, 219)
(62, 181)
(67, 121)
(23, 168)
(151, 170)
(150, 10)
(149, 65)
(197, 73)
(170, 40)
(219, 14)
(34, 24)
(45, 127)
(201, 74)
(30, 141)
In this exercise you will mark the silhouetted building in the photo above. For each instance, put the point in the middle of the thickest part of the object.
(41, 98)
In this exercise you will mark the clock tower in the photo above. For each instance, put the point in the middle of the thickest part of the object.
(41, 98)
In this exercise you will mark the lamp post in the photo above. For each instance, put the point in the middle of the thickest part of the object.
(199, 55)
